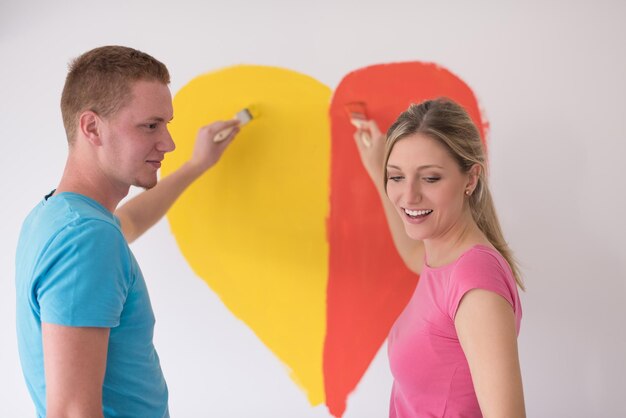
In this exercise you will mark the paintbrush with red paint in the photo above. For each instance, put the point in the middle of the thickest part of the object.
(357, 112)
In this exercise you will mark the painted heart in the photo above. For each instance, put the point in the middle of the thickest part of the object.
(287, 228)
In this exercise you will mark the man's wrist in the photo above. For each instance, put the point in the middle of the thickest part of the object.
(193, 170)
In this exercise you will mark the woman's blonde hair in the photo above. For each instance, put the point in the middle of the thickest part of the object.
(447, 122)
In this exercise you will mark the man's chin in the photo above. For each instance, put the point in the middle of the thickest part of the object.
(146, 185)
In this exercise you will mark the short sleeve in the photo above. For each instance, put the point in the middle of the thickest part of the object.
(84, 276)
(481, 269)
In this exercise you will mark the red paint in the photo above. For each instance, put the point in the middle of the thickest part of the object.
(368, 284)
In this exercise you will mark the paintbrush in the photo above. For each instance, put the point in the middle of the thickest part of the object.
(243, 116)
(357, 112)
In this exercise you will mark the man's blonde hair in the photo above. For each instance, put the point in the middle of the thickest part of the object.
(100, 80)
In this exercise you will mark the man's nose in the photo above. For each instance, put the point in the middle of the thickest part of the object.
(166, 144)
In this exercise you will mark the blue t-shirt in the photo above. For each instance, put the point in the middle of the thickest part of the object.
(74, 268)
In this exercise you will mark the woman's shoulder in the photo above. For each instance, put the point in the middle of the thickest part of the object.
(482, 263)
(480, 255)
(483, 267)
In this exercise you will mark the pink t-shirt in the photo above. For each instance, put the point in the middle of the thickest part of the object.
(430, 371)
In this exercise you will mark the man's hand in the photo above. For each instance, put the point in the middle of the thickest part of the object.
(206, 151)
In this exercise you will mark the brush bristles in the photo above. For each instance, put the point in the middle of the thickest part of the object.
(356, 111)
(244, 116)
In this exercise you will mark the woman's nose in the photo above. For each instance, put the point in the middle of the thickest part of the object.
(413, 192)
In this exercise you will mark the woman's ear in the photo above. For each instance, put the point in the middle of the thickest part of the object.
(90, 127)
(473, 176)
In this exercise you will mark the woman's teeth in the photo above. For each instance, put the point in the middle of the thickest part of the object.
(416, 213)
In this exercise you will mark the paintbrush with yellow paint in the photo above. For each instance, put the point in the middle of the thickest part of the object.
(243, 116)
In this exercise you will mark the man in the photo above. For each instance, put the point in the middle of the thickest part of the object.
(84, 319)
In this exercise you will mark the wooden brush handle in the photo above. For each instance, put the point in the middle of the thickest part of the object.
(366, 139)
(222, 135)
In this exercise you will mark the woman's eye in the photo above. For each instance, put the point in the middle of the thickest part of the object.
(395, 178)
(152, 126)
(432, 179)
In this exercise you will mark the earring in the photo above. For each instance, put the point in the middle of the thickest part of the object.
(468, 192)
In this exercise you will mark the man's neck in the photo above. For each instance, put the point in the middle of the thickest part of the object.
(89, 181)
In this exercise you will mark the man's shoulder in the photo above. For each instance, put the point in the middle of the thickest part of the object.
(72, 208)
(69, 231)
(65, 215)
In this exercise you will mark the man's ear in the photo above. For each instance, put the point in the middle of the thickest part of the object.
(90, 127)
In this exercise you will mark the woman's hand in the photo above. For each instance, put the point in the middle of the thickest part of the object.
(371, 145)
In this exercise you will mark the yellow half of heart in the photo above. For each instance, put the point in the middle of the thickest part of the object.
(254, 226)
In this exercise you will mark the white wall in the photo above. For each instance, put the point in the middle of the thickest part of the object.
(551, 77)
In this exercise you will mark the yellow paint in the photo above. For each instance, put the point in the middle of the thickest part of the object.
(254, 226)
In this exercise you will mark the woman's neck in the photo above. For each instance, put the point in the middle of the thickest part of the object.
(449, 246)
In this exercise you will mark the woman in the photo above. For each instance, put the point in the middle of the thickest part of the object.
(453, 350)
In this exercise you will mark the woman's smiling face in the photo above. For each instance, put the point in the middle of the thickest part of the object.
(427, 187)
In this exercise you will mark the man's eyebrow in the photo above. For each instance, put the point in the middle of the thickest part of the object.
(159, 119)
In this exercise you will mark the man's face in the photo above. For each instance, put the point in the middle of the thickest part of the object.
(135, 139)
